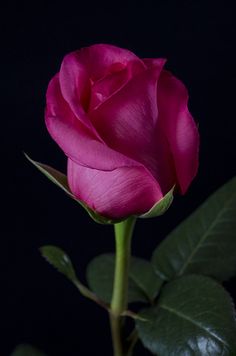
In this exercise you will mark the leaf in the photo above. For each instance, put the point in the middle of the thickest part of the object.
(205, 242)
(60, 180)
(143, 279)
(194, 316)
(61, 261)
(26, 350)
(161, 206)
(144, 285)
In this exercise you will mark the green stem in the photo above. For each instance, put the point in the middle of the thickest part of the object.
(123, 235)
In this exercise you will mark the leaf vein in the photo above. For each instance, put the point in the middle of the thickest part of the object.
(205, 235)
(195, 323)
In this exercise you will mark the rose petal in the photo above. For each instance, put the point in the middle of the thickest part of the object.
(75, 86)
(115, 194)
(152, 62)
(77, 141)
(102, 59)
(179, 127)
(111, 83)
(90, 63)
(128, 123)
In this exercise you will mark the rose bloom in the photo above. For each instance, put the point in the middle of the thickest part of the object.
(125, 128)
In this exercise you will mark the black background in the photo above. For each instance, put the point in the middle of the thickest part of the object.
(198, 38)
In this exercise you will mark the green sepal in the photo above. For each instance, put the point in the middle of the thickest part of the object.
(161, 206)
(205, 243)
(60, 180)
(144, 285)
(194, 316)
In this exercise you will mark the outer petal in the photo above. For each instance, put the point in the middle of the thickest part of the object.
(115, 194)
(77, 141)
(179, 127)
(128, 122)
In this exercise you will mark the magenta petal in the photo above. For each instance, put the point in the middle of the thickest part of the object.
(114, 194)
(77, 141)
(101, 59)
(127, 120)
(105, 87)
(152, 62)
(179, 127)
(82, 67)
(75, 87)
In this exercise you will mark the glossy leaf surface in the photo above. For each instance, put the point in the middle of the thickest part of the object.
(194, 317)
(60, 260)
(205, 242)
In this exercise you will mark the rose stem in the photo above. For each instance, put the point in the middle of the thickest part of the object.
(123, 235)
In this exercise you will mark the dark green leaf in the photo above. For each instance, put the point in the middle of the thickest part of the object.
(161, 206)
(194, 317)
(143, 283)
(143, 279)
(100, 273)
(205, 242)
(60, 180)
(60, 260)
(26, 350)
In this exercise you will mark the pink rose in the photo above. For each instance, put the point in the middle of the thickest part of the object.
(124, 125)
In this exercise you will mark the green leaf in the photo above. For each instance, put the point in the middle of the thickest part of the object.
(60, 180)
(26, 350)
(61, 261)
(161, 206)
(194, 316)
(143, 282)
(205, 242)
(144, 285)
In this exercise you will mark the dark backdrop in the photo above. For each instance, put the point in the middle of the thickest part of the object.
(198, 38)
